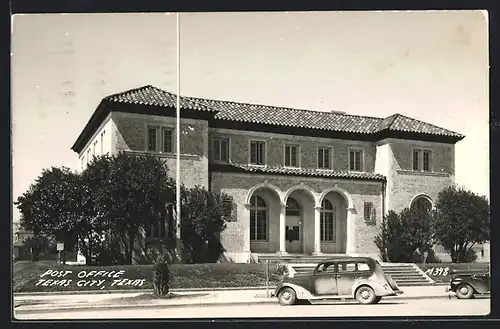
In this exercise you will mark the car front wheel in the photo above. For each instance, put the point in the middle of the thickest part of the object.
(287, 296)
(365, 295)
(464, 291)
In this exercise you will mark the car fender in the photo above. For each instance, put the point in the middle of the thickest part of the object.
(479, 286)
(301, 292)
(377, 287)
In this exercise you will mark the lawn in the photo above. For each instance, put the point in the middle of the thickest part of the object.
(442, 272)
(34, 276)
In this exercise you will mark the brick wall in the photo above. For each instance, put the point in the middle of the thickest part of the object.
(130, 135)
(238, 186)
(240, 140)
(404, 183)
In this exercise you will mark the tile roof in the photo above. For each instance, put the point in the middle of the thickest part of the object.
(149, 95)
(279, 170)
(282, 116)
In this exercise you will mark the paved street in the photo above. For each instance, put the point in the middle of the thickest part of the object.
(420, 307)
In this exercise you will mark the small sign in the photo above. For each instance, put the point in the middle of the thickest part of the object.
(60, 246)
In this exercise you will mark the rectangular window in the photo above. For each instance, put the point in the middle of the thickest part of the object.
(324, 158)
(88, 155)
(416, 159)
(82, 162)
(257, 153)
(363, 267)
(152, 135)
(369, 212)
(291, 156)
(427, 161)
(94, 148)
(102, 142)
(221, 149)
(356, 160)
(167, 141)
(422, 160)
(346, 267)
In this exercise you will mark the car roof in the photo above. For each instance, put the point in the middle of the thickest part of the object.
(348, 258)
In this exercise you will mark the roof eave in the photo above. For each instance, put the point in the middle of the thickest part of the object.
(93, 123)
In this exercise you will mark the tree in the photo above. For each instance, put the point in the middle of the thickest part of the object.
(128, 192)
(462, 219)
(203, 215)
(35, 245)
(401, 234)
(50, 206)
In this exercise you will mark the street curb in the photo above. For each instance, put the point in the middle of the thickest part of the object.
(132, 291)
(159, 306)
(125, 291)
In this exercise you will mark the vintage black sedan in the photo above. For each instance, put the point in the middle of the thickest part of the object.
(346, 277)
(467, 285)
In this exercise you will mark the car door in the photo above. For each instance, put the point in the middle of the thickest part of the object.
(346, 275)
(324, 281)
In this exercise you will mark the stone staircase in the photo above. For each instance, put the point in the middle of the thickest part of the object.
(403, 274)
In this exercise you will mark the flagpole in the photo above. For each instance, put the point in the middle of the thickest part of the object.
(178, 145)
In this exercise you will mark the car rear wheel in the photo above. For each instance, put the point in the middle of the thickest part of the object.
(365, 295)
(287, 296)
(464, 291)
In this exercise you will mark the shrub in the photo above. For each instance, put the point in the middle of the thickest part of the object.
(280, 269)
(402, 234)
(469, 257)
(161, 277)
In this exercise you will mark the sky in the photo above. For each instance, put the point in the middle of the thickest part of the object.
(432, 66)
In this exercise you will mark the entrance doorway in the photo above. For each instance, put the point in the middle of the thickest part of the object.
(293, 234)
(293, 227)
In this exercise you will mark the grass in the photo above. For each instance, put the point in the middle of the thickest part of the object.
(28, 274)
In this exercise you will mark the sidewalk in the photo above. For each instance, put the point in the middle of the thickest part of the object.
(37, 303)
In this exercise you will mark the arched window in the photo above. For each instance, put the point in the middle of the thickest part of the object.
(422, 204)
(292, 207)
(258, 219)
(327, 221)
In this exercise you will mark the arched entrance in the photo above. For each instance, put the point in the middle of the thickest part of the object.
(298, 214)
(263, 205)
(333, 228)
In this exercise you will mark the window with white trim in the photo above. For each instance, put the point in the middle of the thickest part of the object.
(355, 160)
(324, 158)
(102, 142)
(327, 222)
(291, 156)
(369, 212)
(258, 219)
(422, 160)
(160, 139)
(257, 153)
(221, 149)
(152, 139)
(167, 141)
